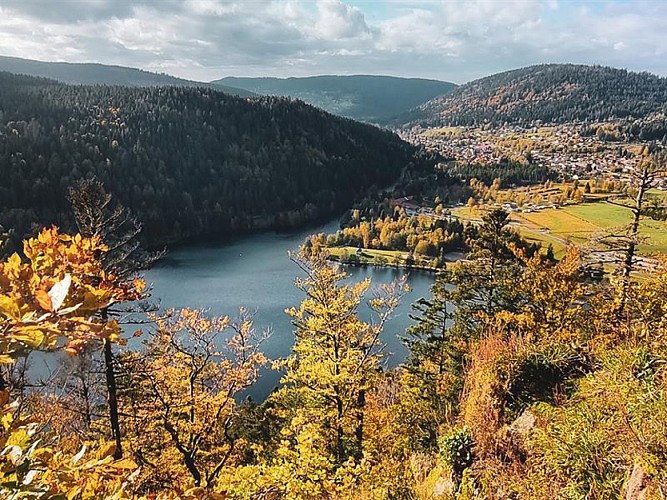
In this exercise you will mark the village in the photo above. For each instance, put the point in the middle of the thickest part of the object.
(590, 197)
(563, 148)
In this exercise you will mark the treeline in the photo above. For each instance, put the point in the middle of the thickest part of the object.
(551, 93)
(418, 235)
(507, 172)
(187, 161)
(653, 128)
(425, 237)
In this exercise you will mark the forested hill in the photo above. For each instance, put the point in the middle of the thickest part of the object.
(101, 74)
(553, 93)
(188, 161)
(362, 97)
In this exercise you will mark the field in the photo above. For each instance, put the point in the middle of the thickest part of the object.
(577, 223)
(452, 131)
(606, 215)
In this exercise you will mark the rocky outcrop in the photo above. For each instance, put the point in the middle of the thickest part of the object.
(637, 485)
(518, 433)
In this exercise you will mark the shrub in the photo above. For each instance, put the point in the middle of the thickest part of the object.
(456, 449)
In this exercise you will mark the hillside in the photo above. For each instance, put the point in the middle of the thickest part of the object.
(362, 97)
(552, 93)
(188, 161)
(101, 74)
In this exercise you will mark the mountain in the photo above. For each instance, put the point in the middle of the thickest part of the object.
(101, 74)
(189, 161)
(372, 99)
(552, 93)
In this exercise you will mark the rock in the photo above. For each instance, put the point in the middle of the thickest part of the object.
(444, 487)
(519, 430)
(636, 487)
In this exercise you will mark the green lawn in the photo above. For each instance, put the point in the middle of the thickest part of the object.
(606, 215)
(601, 214)
(578, 222)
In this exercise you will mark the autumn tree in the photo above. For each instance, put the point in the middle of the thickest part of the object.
(179, 395)
(57, 291)
(548, 298)
(49, 300)
(335, 358)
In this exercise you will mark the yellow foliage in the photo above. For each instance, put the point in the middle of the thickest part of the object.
(56, 293)
(181, 392)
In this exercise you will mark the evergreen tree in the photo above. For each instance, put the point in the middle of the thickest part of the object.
(335, 356)
(97, 217)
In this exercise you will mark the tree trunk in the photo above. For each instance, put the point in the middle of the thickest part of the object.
(359, 431)
(112, 398)
(340, 452)
(628, 262)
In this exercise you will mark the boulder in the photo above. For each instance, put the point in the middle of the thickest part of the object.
(519, 431)
(636, 487)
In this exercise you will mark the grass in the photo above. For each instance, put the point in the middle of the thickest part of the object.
(606, 215)
(577, 223)
(557, 221)
(545, 240)
(603, 215)
(656, 193)
(469, 214)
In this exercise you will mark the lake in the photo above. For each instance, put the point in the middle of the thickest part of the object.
(255, 272)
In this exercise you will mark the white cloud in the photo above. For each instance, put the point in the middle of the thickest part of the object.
(340, 21)
(450, 39)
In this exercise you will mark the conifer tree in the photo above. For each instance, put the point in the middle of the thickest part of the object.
(336, 354)
(97, 216)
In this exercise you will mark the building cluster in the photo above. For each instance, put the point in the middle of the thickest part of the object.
(414, 209)
(561, 147)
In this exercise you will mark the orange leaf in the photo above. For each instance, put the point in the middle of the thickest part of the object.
(44, 300)
(139, 285)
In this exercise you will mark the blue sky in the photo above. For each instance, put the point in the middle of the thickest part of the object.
(455, 40)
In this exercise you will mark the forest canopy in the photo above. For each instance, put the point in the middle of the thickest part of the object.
(550, 93)
(186, 161)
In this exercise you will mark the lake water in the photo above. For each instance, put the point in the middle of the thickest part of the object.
(256, 272)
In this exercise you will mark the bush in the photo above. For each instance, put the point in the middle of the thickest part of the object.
(456, 449)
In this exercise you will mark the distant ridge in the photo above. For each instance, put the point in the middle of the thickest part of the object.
(369, 98)
(551, 93)
(102, 74)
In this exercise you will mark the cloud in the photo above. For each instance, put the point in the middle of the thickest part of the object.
(454, 40)
(338, 21)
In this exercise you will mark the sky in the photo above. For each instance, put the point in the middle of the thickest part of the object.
(452, 40)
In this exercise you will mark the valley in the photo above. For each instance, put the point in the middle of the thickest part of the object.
(471, 304)
(256, 272)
